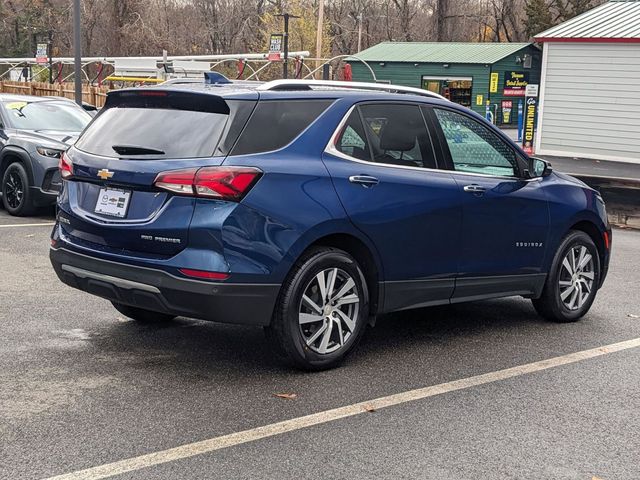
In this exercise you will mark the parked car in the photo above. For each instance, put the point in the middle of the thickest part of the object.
(309, 208)
(34, 131)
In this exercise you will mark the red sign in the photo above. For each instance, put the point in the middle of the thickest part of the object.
(513, 92)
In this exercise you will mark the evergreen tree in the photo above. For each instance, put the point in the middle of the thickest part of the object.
(538, 17)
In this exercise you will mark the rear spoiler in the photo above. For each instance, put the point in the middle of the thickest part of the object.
(166, 99)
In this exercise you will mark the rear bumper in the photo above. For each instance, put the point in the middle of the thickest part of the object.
(157, 290)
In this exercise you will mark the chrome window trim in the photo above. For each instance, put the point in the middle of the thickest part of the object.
(332, 150)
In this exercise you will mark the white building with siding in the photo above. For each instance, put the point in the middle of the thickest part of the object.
(590, 85)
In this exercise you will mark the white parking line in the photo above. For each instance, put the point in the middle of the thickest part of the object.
(51, 224)
(225, 441)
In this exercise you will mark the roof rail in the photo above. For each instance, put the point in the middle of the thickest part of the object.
(181, 80)
(381, 87)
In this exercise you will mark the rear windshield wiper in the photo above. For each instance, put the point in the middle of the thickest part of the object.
(135, 150)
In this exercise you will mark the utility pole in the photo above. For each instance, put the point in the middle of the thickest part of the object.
(77, 53)
(285, 40)
(319, 31)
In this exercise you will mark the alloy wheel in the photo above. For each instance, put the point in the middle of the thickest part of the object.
(329, 310)
(14, 189)
(576, 277)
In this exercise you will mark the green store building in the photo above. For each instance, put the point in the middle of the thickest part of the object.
(470, 74)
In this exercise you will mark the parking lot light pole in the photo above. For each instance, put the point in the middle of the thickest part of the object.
(77, 53)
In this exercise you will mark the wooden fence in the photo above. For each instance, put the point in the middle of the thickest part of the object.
(93, 95)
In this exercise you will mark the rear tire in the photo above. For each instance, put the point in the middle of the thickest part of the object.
(573, 280)
(141, 315)
(322, 310)
(16, 191)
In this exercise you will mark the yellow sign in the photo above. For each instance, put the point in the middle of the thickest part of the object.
(493, 84)
(479, 100)
(16, 105)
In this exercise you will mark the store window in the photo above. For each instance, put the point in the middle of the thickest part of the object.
(456, 89)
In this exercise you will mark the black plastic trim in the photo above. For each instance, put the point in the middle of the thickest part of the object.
(156, 290)
(404, 295)
(480, 288)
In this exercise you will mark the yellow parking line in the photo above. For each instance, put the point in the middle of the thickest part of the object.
(266, 431)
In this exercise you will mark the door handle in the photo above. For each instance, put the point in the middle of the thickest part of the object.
(477, 189)
(364, 180)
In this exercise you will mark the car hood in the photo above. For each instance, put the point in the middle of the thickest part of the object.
(52, 138)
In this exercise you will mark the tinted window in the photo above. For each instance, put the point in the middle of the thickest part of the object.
(54, 115)
(170, 128)
(170, 133)
(274, 124)
(398, 135)
(474, 148)
(352, 140)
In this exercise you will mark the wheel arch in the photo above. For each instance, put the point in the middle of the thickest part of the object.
(11, 154)
(366, 257)
(595, 234)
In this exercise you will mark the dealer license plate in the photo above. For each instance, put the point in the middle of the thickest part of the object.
(113, 202)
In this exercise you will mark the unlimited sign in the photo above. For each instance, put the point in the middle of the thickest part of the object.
(529, 124)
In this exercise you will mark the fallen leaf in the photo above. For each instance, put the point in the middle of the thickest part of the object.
(596, 478)
(286, 396)
(369, 408)
(632, 315)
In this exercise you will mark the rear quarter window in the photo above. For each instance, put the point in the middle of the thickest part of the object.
(275, 123)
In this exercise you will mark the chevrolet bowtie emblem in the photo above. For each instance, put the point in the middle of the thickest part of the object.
(104, 174)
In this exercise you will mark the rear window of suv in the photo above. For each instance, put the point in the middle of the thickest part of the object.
(276, 123)
(166, 128)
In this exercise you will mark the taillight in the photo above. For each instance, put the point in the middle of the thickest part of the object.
(65, 166)
(225, 183)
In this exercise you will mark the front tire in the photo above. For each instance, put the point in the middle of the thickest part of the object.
(16, 192)
(322, 310)
(141, 315)
(573, 280)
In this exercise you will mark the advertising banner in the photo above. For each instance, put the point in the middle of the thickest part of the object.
(531, 106)
(275, 47)
(515, 83)
(493, 83)
(507, 108)
(41, 54)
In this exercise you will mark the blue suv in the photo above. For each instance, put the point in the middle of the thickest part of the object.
(311, 207)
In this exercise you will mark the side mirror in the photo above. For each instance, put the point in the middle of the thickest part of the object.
(539, 168)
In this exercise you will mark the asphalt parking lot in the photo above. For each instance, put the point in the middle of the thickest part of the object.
(81, 387)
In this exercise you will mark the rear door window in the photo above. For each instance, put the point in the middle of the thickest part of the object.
(274, 124)
(172, 129)
(398, 135)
